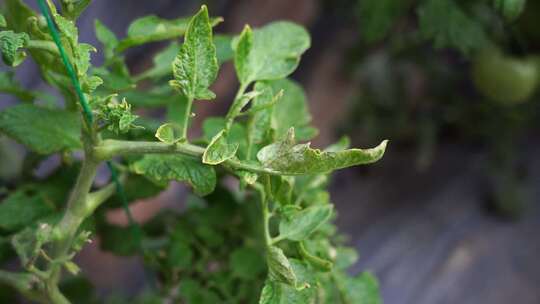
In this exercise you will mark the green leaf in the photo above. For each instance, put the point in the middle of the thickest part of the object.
(219, 150)
(444, 22)
(290, 159)
(43, 130)
(162, 61)
(10, 43)
(271, 52)
(3, 22)
(361, 289)
(107, 38)
(291, 110)
(169, 133)
(510, 9)
(163, 168)
(242, 52)
(28, 242)
(298, 225)
(224, 51)
(152, 28)
(279, 267)
(179, 255)
(194, 293)
(74, 8)
(21, 208)
(79, 51)
(377, 17)
(17, 14)
(195, 67)
(246, 263)
(236, 135)
(279, 293)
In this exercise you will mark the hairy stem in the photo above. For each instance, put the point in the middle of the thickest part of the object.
(187, 116)
(235, 108)
(111, 148)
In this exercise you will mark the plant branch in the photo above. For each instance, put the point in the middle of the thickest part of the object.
(187, 116)
(96, 198)
(111, 148)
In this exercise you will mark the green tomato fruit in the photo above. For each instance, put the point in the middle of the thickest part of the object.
(509, 9)
(504, 79)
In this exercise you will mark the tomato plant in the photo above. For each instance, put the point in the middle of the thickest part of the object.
(269, 238)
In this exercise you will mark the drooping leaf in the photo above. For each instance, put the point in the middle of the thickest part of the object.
(270, 52)
(290, 159)
(195, 67)
(279, 293)
(444, 22)
(279, 267)
(219, 150)
(169, 133)
(163, 168)
(43, 130)
(10, 43)
(298, 225)
(152, 28)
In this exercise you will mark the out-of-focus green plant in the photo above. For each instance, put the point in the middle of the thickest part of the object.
(266, 238)
(428, 70)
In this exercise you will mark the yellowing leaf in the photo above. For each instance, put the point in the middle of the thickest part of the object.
(290, 159)
(219, 150)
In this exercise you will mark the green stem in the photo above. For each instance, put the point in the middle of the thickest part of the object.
(187, 116)
(45, 45)
(110, 148)
(266, 222)
(235, 108)
(65, 231)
